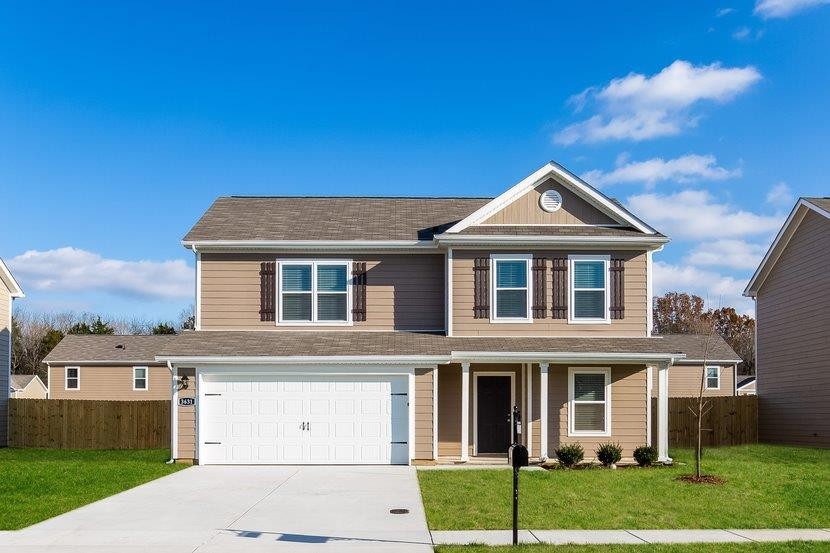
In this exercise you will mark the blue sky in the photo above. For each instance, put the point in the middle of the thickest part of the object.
(120, 123)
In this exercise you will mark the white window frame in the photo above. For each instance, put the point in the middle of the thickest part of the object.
(494, 259)
(66, 378)
(314, 263)
(572, 319)
(706, 377)
(571, 401)
(146, 378)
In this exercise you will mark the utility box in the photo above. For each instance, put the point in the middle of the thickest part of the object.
(518, 456)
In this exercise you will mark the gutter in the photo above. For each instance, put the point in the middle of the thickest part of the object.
(310, 359)
(173, 428)
(311, 244)
(586, 241)
(485, 356)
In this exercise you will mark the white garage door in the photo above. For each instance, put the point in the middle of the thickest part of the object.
(302, 419)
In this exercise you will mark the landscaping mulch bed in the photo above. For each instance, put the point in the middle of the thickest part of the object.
(702, 479)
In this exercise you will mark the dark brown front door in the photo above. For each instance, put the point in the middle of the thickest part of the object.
(493, 416)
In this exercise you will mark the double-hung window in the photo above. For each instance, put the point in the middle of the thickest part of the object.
(511, 291)
(589, 289)
(713, 378)
(72, 378)
(314, 292)
(590, 403)
(140, 381)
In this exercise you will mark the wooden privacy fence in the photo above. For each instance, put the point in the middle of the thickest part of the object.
(89, 424)
(732, 420)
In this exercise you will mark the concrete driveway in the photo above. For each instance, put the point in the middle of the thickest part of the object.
(245, 508)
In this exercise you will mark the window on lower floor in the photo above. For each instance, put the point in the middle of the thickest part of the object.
(72, 379)
(140, 378)
(314, 292)
(713, 378)
(589, 401)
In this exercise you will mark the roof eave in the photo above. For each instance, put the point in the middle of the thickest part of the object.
(306, 360)
(8, 279)
(205, 245)
(648, 242)
(565, 357)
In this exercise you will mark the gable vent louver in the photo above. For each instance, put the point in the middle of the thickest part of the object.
(550, 201)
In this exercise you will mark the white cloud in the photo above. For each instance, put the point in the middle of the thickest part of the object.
(639, 107)
(695, 214)
(771, 9)
(724, 11)
(716, 289)
(688, 168)
(745, 33)
(736, 254)
(780, 195)
(74, 270)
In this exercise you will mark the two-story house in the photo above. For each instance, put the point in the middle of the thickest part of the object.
(398, 330)
(9, 291)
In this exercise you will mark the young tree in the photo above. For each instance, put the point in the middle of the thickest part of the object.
(706, 330)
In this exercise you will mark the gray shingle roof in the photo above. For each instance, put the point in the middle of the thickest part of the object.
(20, 381)
(694, 346)
(307, 218)
(102, 347)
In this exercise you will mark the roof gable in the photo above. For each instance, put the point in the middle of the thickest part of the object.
(553, 171)
(19, 382)
(804, 206)
(11, 284)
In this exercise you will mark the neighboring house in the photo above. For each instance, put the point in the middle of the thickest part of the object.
(791, 288)
(399, 330)
(9, 291)
(27, 386)
(747, 385)
(686, 375)
(108, 367)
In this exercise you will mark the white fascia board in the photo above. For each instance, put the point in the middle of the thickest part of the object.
(309, 360)
(10, 282)
(781, 240)
(205, 245)
(579, 186)
(115, 362)
(563, 357)
(708, 361)
(582, 241)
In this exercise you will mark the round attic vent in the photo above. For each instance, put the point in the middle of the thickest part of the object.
(550, 201)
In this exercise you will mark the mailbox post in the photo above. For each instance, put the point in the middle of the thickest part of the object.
(518, 456)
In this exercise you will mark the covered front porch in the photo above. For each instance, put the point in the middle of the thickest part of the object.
(576, 401)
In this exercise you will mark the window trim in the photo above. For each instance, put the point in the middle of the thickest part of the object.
(66, 387)
(606, 260)
(146, 378)
(314, 263)
(572, 371)
(494, 259)
(706, 377)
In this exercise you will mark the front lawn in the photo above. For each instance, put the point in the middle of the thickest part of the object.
(36, 484)
(766, 487)
(783, 547)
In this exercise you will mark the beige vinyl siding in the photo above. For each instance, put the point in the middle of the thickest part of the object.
(628, 410)
(424, 412)
(32, 391)
(5, 361)
(793, 350)
(403, 292)
(526, 210)
(636, 300)
(749, 389)
(186, 423)
(110, 382)
(684, 381)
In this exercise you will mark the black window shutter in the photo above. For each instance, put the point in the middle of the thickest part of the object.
(560, 288)
(617, 289)
(540, 287)
(267, 290)
(481, 288)
(359, 291)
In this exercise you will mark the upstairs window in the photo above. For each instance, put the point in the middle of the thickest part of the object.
(314, 292)
(72, 380)
(511, 293)
(140, 378)
(589, 411)
(589, 289)
(713, 378)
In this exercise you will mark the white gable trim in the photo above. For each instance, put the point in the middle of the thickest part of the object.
(780, 243)
(573, 182)
(10, 282)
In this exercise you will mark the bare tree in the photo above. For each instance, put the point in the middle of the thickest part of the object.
(707, 329)
(187, 318)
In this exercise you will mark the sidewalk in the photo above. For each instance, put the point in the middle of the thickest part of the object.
(583, 537)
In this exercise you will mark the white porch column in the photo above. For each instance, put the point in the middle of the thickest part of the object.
(663, 413)
(543, 410)
(649, 389)
(465, 411)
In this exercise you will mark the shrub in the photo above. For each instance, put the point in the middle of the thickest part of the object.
(570, 454)
(609, 454)
(645, 455)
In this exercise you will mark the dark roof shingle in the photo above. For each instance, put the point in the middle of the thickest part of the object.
(104, 347)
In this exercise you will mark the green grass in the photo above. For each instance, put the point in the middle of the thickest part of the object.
(783, 547)
(766, 487)
(36, 484)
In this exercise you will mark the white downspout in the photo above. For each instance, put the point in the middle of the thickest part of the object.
(174, 412)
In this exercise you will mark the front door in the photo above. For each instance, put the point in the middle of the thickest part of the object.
(494, 403)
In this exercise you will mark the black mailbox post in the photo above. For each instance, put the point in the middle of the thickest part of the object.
(519, 458)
